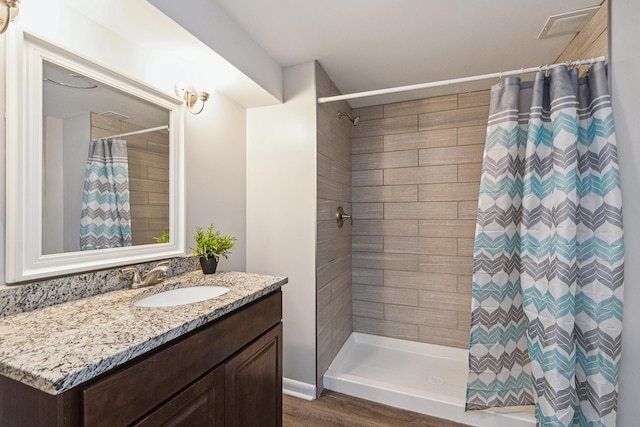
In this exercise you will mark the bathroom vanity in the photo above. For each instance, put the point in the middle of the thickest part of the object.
(101, 361)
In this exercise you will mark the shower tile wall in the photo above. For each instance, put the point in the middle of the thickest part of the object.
(333, 258)
(415, 175)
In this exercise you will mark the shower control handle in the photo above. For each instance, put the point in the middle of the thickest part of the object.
(341, 217)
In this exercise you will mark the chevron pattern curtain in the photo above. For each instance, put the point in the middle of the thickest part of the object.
(548, 259)
(105, 220)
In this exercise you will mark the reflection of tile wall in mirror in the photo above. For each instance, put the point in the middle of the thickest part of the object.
(148, 176)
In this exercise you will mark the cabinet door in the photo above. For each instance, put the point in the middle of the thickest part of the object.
(201, 404)
(253, 385)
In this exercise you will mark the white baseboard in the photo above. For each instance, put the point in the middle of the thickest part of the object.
(298, 389)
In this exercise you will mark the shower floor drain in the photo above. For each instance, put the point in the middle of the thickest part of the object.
(436, 380)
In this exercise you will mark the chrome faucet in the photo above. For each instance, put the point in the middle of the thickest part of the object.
(151, 277)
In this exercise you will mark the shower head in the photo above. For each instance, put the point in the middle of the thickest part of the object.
(354, 120)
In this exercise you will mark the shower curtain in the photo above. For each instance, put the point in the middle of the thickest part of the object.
(105, 220)
(548, 258)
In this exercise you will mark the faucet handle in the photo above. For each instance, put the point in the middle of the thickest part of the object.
(136, 275)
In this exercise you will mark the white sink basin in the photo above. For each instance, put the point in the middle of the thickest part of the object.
(182, 296)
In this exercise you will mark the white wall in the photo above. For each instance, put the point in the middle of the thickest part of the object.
(281, 210)
(53, 206)
(625, 91)
(215, 152)
(217, 135)
(77, 133)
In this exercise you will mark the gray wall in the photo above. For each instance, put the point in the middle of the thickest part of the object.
(416, 174)
(333, 257)
(625, 92)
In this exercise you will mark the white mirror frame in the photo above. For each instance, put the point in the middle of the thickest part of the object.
(24, 160)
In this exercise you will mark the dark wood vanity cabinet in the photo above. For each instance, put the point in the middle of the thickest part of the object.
(226, 373)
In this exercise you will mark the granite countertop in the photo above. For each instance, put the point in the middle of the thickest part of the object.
(56, 348)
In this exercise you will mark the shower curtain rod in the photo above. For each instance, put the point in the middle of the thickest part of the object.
(137, 132)
(498, 75)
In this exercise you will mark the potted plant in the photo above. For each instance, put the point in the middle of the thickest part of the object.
(210, 245)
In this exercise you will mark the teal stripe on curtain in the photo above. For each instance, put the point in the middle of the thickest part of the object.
(566, 273)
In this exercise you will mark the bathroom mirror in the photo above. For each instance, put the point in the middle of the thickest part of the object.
(94, 165)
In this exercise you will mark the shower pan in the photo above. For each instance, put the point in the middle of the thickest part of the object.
(425, 378)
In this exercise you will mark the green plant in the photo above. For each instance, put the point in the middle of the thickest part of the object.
(210, 243)
(163, 238)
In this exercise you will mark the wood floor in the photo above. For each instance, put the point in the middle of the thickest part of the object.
(335, 409)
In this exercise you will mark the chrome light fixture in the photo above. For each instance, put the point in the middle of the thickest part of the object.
(191, 98)
(13, 9)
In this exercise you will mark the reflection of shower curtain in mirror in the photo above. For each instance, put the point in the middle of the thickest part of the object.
(106, 213)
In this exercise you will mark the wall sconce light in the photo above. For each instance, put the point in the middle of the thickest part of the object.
(191, 98)
(13, 9)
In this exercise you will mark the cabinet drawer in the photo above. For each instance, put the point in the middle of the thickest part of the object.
(124, 396)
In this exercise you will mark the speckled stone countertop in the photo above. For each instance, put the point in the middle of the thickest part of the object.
(56, 348)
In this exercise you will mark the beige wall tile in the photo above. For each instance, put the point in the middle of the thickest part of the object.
(332, 249)
(159, 174)
(421, 316)
(328, 230)
(329, 189)
(437, 300)
(420, 245)
(334, 268)
(459, 228)
(373, 310)
(427, 105)
(388, 329)
(468, 209)
(323, 298)
(451, 155)
(454, 118)
(465, 284)
(386, 126)
(325, 213)
(367, 276)
(392, 159)
(372, 144)
(465, 247)
(417, 140)
(474, 99)
(367, 178)
(472, 135)
(449, 192)
(420, 210)
(341, 284)
(421, 281)
(421, 175)
(443, 336)
(390, 193)
(158, 198)
(384, 261)
(369, 113)
(340, 173)
(324, 165)
(367, 243)
(385, 227)
(446, 264)
(385, 295)
(469, 172)
(362, 211)
(464, 320)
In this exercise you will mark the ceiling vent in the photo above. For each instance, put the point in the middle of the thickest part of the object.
(567, 23)
(114, 115)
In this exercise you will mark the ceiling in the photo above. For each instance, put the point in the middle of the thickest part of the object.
(373, 44)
